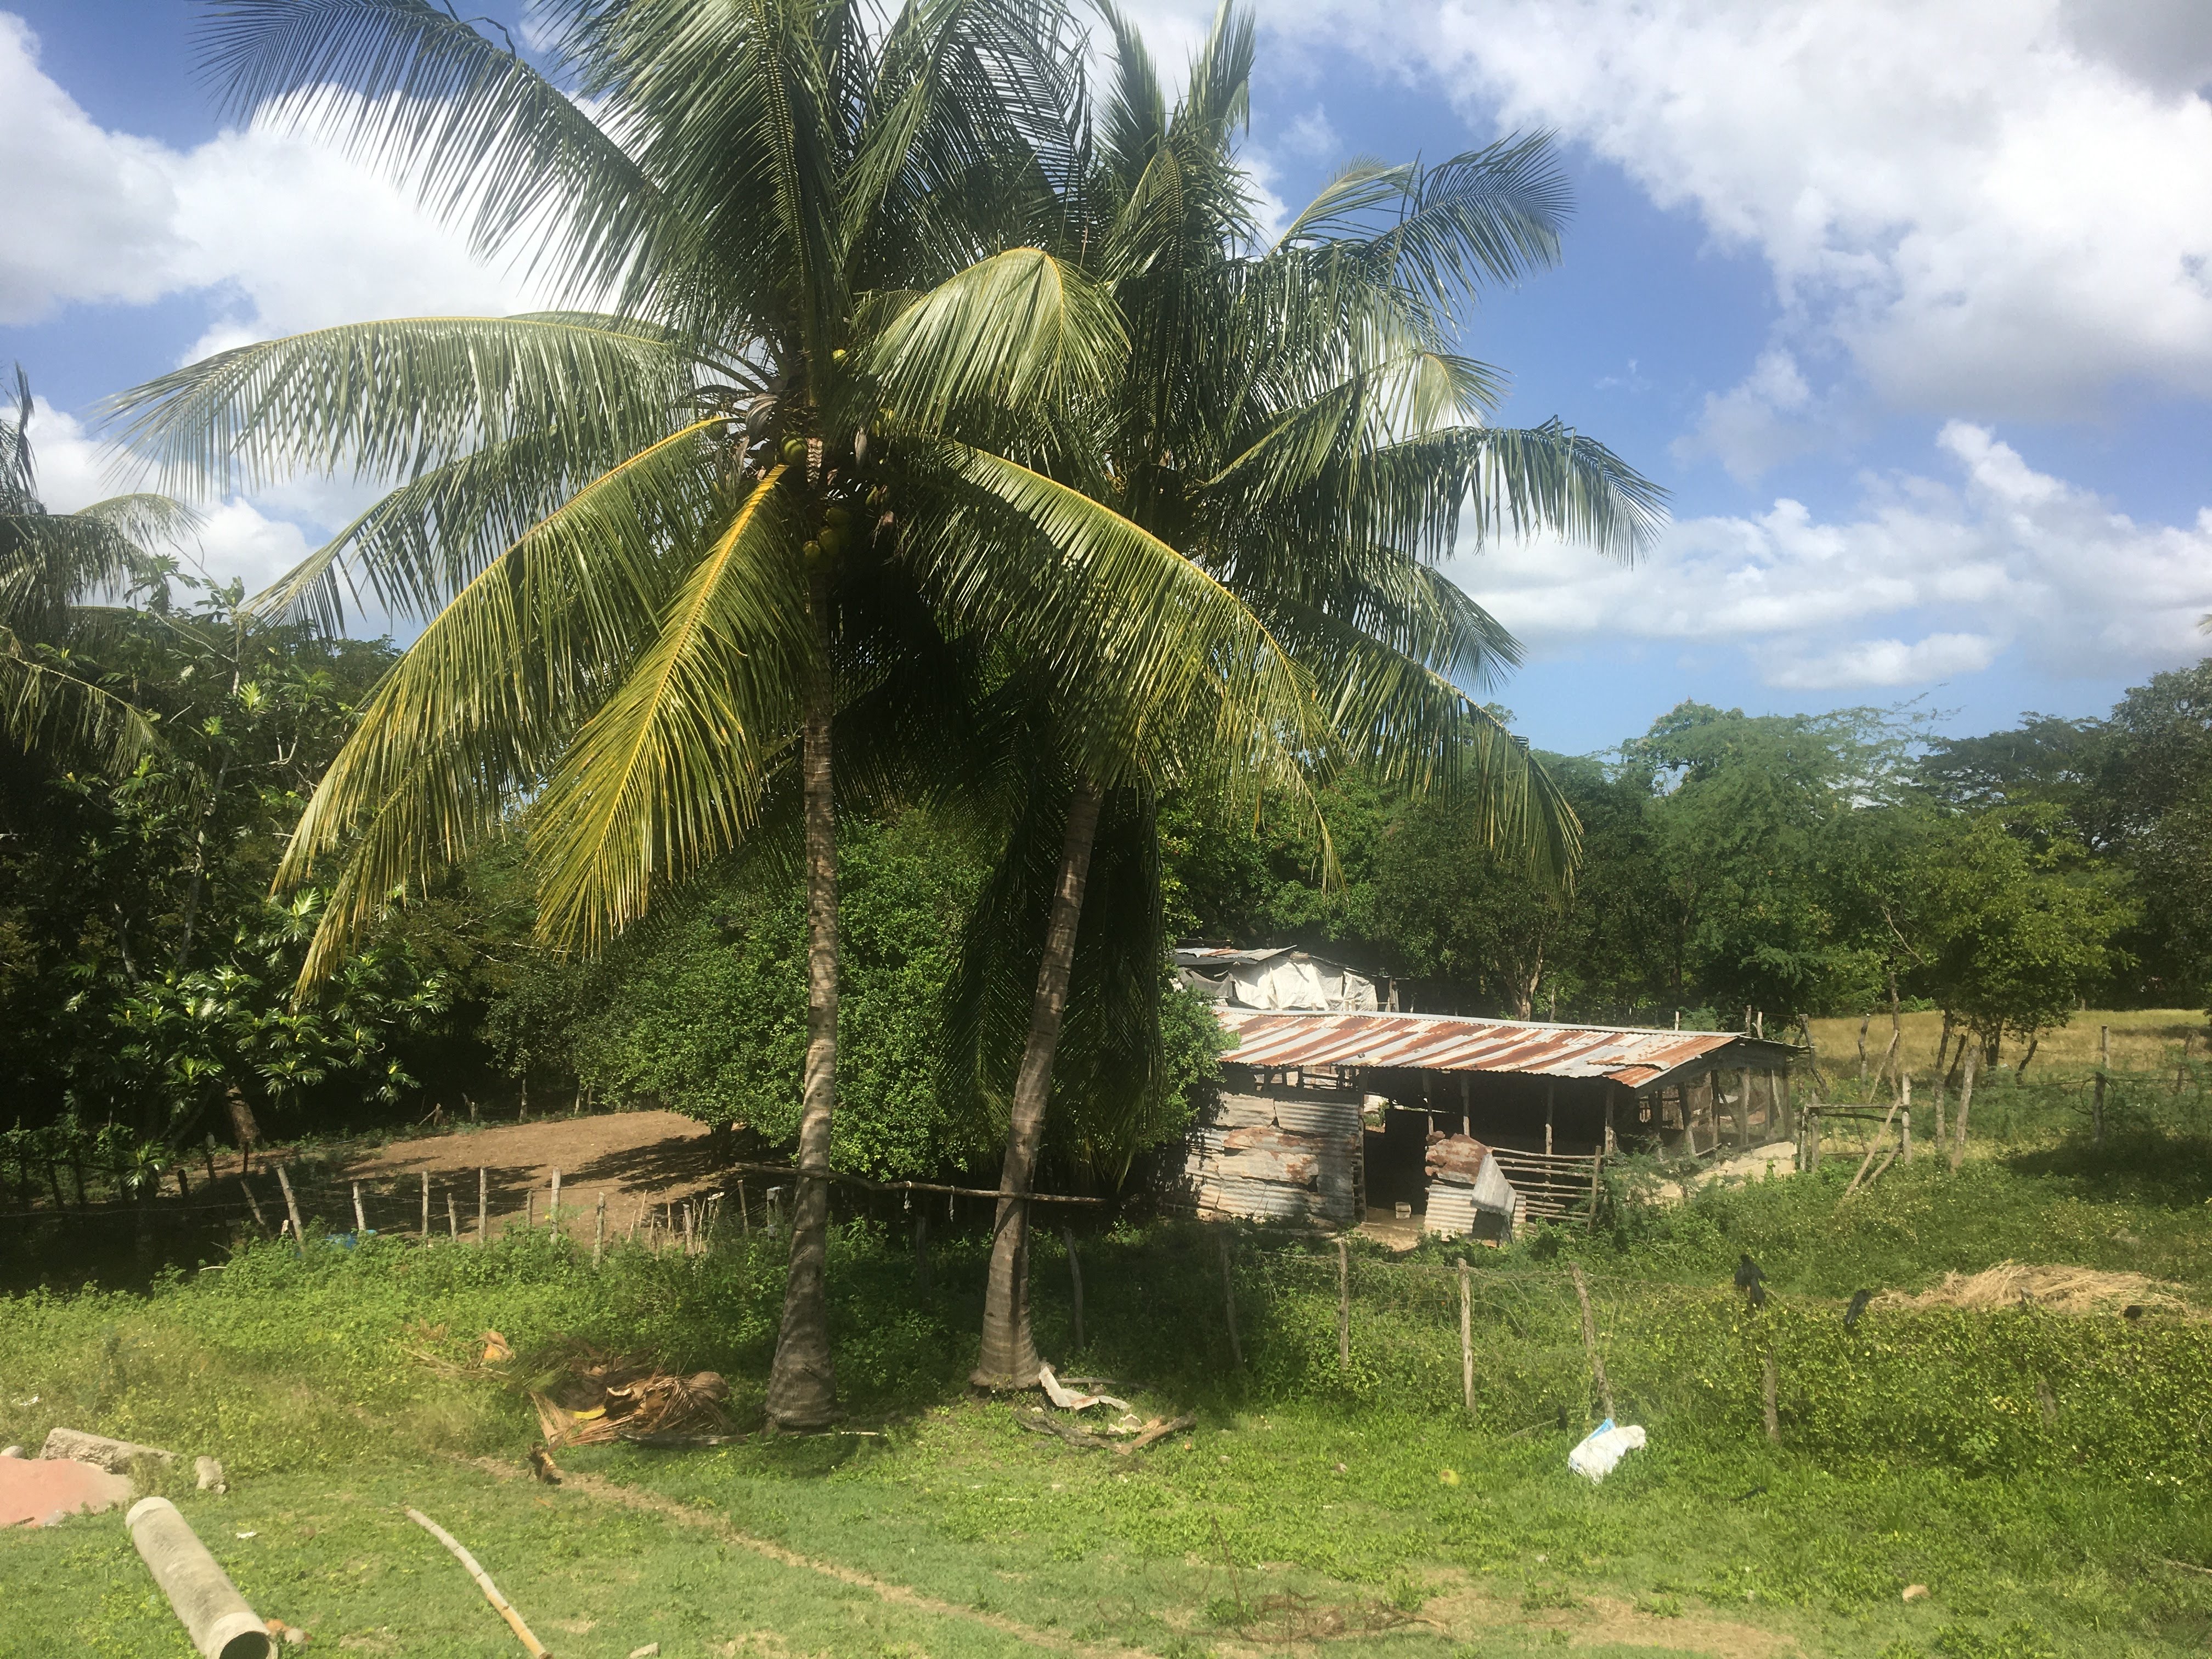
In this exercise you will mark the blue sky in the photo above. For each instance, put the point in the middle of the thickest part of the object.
(1907, 304)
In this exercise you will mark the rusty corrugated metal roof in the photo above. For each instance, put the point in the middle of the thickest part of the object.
(1448, 1042)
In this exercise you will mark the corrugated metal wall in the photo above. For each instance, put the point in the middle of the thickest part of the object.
(1261, 1157)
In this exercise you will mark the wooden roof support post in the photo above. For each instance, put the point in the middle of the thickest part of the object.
(1551, 1089)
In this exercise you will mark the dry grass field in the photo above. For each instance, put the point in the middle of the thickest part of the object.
(2144, 1039)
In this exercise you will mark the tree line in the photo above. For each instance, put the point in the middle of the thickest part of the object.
(1781, 867)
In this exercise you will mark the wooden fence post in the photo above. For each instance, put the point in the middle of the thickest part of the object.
(1743, 1110)
(1466, 1342)
(1229, 1303)
(483, 1199)
(599, 1231)
(1590, 1339)
(253, 1204)
(529, 1208)
(1771, 1388)
(360, 1218)
(1343, 1308)
(453, 1218)
(2097, 1100)
(553, 1203)
(292, 1208)
(1075, 1279)
(426, 1206)
(745, 1217)
(689, 1248)
(1905, 1134)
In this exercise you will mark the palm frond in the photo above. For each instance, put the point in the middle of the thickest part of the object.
(391, 400)
(470, 722)
(479, 134)
(667, 773)
(1018, 332)
(1139, 638)
(70, 721)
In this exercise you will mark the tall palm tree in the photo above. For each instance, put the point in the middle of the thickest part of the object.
(55, 570)
(1295, 421)
(662, 545)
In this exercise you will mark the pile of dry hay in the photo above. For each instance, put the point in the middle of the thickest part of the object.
(588, 1398)
(2060, 1290)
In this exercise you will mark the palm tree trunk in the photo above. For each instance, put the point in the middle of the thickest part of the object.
(802, 1386)
(1009, 1359)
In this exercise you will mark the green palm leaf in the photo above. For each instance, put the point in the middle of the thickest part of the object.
(473, 717)
(668, 772)
(1020, 331)
(392, 400)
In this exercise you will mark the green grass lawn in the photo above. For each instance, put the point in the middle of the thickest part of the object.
(2040, 1475)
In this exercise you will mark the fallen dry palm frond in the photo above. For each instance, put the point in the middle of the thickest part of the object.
(587, 1398)
(2059, 1290)
(1151, 1433)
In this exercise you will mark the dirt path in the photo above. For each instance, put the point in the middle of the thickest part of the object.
(631, 1156)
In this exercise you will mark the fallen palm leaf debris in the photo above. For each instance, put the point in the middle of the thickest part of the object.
(2056, 1290)
(587, 1398)
(1139, 1436)
(1069, 1396)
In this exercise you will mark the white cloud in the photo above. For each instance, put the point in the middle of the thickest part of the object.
(92, 213)
(1884, 663)
(1770, 417)
(291, 235)
(1930, 579)
(256, 540)
(1995, 206)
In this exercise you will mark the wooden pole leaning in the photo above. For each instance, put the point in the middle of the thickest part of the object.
(1590, 1339)
(292, 1208)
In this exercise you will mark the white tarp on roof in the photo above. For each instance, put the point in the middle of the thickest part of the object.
(1280, 978)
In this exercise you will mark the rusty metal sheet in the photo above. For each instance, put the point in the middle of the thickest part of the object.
(1269, 1039)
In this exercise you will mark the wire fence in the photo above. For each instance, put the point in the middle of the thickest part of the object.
(1512, 1345)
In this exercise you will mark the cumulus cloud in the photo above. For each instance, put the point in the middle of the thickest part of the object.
(255, 541)
(1932, 578)
(1995, 208)
(289, 235)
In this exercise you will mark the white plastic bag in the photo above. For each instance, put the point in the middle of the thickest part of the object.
(1602, 1448)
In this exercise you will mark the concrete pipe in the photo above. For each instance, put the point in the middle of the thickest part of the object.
(213, 1613)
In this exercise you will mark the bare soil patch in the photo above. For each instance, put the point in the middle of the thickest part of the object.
(633, 1158)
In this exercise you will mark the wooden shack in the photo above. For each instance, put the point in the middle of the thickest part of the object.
(1325, 1117)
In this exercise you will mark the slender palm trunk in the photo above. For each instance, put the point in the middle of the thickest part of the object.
(1009, 1359)
(802, 1387)
(1965, 1105)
